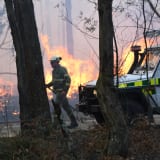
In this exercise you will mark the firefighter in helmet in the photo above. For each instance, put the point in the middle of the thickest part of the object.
(61, 83)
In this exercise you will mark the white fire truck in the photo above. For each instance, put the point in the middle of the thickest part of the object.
(138, 90)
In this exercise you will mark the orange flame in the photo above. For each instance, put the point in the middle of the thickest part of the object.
(80, 71)
(5, 93)
(128, 56)
(5, 87)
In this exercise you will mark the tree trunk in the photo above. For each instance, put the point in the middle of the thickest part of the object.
(33, 100)
(117, 141)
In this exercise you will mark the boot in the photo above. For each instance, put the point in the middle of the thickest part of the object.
(74, 123)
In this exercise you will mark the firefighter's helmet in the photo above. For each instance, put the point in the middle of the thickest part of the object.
(55, 58)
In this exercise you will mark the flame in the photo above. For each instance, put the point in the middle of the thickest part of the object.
(5, 93)
(127, 60)
(128, 56)
(5, 87)
(80, 71)
(15, 113)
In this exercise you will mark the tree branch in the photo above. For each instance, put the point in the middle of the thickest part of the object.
(153, 8)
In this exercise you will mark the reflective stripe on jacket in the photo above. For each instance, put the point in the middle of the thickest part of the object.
(61, 79)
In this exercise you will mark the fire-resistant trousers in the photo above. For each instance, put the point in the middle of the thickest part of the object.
(62, 101)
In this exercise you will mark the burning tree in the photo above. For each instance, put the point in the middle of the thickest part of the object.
(34, 106)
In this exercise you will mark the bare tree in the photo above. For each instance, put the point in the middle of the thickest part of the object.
(117, 140)
(34, 106)
(153, 8)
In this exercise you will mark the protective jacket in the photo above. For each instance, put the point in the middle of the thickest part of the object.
(60, 79)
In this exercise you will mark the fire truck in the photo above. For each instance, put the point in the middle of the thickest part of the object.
(138, 90)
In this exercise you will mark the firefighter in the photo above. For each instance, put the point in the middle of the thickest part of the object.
(61, 83)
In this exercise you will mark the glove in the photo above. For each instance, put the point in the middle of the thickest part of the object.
(47, 85)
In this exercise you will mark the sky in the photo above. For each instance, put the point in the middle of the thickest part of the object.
(51, 23)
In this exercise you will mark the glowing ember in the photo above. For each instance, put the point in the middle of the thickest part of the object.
(80, 71)
(15, 113)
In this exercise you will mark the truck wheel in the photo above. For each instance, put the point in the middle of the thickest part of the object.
(133, 109)
(99, 118)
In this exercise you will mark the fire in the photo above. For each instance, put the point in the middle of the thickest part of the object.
(5, 88)
(80, 71)
(127, 60)
(5, 93)
(128, 56)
